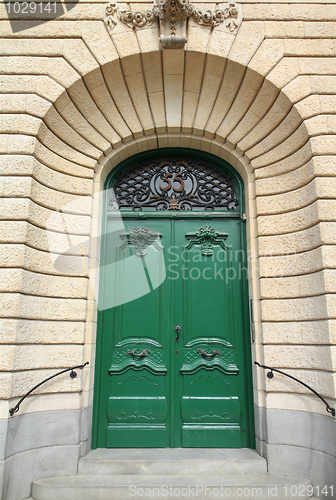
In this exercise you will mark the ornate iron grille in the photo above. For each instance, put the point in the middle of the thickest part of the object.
(174, 184)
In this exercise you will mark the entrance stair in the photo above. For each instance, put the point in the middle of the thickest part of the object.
(172, 473)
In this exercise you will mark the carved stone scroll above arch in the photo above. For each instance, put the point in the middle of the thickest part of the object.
(172, 16)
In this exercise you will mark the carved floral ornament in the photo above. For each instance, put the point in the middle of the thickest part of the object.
(172, 16)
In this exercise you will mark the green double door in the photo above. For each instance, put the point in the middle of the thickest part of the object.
(174, 366)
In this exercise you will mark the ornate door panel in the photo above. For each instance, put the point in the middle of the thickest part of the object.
(135, 357)
(208, 299)
(173, 357)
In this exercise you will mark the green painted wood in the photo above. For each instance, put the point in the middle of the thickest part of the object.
(151, 391)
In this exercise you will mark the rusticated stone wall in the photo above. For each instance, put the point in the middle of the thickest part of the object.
(75, 101)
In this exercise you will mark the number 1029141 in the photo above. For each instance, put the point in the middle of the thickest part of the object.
(303, 490)
(31, 7)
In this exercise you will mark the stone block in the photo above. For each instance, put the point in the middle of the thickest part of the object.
(126, 43)
(221, 43)
(319, 29)
(61, 148)
(287, 182)
(303, 462)
(60, 428)
(291, 265)
(289, 12)
(289, 146)
(278, 111)
(194, 68)
(50, 263)
(292, 200)
(173, 99)
(284, 72)
(248, 39)
(297, 332)
(157, 105)
(17, 144)
(299, 357)
(117, 121)
(294, 286)
(61, 181)
(296, 220)
(34, 357)
(23, 468)
(66, 133)
(207, 98)
(15, 186)
(86, 105)
(292, 162)
(12, 164)
(302, 47)
(24, 380)
(316, 65)
(298, 89)
(323, 145)
(198, 38)
(137, 89)
(13, 231)
(25, 331)
(12, 255)
(148, 40)
(7, 354)
(308, 308)
(61, 164)
(283, 131)
(151, 63)
(98, 40)
(237, 114)
(323, 84)
(268, 55)
(78, 122)
(284, 29)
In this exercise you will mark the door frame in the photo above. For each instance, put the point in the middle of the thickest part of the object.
(238, 183)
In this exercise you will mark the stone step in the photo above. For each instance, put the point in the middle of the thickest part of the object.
(173, 461)
(127, 487)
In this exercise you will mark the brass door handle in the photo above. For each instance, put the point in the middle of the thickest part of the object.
(178, 329)
(202, 352)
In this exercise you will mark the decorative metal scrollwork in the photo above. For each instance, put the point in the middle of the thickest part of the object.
(142, 354)
(202, 352)
(175, 184)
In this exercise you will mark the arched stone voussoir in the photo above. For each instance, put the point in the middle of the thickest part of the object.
(176, 91)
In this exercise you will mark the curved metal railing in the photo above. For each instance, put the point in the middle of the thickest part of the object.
(270, 375)
(73, 374)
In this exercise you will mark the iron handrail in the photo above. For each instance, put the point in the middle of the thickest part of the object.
(270, 375)
(73, 374)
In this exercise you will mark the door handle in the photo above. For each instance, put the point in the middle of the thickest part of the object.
(142, 354)
(202, 352)
(178, 329)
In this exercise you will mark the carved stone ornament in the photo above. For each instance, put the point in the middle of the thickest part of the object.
(173, 15)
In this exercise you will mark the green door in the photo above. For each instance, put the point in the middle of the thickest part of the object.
(173, 359)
